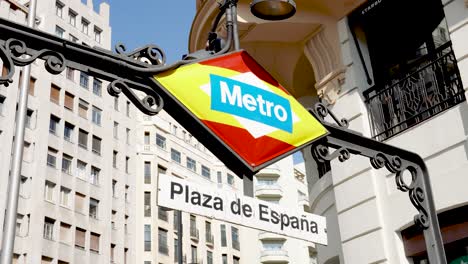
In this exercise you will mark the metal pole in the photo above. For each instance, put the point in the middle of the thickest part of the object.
(235, 32)
(179, 240)
(9, 231)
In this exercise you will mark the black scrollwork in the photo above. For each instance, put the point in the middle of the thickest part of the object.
(321, 111)
(322, 154)
(151, 54)
(8, 66)
(380, 160)
(150, 104)
(54, 62)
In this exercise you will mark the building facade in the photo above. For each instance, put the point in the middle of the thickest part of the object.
(397, 70)
(77, 181)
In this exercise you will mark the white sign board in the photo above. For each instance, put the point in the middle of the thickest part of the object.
(233, 207)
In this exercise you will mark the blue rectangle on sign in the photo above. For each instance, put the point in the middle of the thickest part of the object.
(250, 102)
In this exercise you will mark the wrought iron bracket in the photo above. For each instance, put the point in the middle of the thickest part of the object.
(345, 142)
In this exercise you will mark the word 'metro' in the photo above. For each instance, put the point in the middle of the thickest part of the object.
(248, 101)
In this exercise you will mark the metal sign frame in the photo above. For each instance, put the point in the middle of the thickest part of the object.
(131, 73)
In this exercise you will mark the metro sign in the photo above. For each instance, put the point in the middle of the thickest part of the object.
(238, 111)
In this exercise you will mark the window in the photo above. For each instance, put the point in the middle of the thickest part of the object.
(94, 242)
(73, 38)
(49, 191)
(114, 159)
(175, 155)
(223, 236)
(84, 26)
(127, 188)
(53, 124)
(113, 217)
(235, 260)
(230, 179)
(127, 162)
(96, 146)
(72, 17)
(147, 201)
(94, 176)
(205, 171)
(147, 172)
(224, 257)
(147, 237)
(112, 253)
(83, 108)
(160, 141)
(79, 202)
(70, 74)
(84, 78)
(65, 233)
(220, 177)
(176, 248)
(81, 169)
(146, 138)
(161, 170)
(127, 135)
(48, 228)
(235, 238)
(68, 131)
(2, 101)
(59, 9)
(93, 208)
(191, 164)
(128, 109)
(65, 196)
(116, 103)
(80, 237)
(116, 130)
(52, 157)
(193, 226)
(83, 139)
(272, 245)
(209, 257)
(162, 242)
(194, 254)
(174, 130)
(96, 115)
(69, 101)
(97, 87)
(67, 163)
(55, 95)
(29, 118)
(59, 31)
(32, 83)
(114, 187)
(97, 34)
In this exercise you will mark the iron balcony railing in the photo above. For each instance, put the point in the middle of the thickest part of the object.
(433, 86)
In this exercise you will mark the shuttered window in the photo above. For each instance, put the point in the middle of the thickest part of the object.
(94, 242)
(69, 98)
(83, 109)
(79, 202)
(96, 146)
(83, 139)
(55, 94)
(80, 236)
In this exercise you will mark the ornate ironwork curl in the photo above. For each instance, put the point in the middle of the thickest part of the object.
(54, 62)
(380, 160)
(149, 53)
(8, 66)
(322, 111)
(151, 104)
(322, 154)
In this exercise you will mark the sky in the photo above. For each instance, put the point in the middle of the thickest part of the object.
(165, 23)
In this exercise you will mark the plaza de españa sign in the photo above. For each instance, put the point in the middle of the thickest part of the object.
(238, 111)
(234, 207)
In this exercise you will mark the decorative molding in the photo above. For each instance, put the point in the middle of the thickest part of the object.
(328, 69)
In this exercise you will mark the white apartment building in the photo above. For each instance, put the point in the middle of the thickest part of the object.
(77, 181)
(397, 70)
(165, 147)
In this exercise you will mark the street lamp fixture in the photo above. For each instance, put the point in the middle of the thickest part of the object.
(273, 9)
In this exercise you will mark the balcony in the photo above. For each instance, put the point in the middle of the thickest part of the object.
(303, 200)
(209, 239)
(268, 191)
(431, 87)
(274, 256)
(270, 171)
(194, 234)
